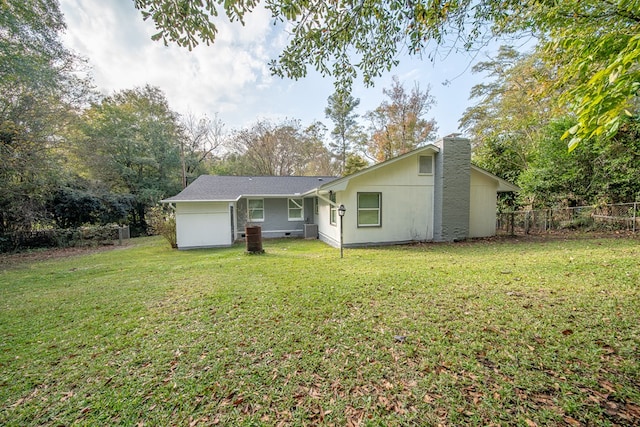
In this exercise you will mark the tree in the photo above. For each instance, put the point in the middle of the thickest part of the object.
(354, 164)
(130, 142)
(556, 176)
(514, 105)
(595, 44)
(597, 171)
(40, 90)
(347, 132)
(201, 137)
(398, 125)
(320, 158)
(280, 149)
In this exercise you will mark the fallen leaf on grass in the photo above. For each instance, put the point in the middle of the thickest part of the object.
(66, 396)
(354, 416)
(430, 398)
(567, 332)
(384, 402)
(633, 410)
(608, 386)
(530, 423)
(18, 402)
(195, 422)
(572, 422)
(386, 384)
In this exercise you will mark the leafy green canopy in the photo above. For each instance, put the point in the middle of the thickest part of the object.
(39, 91)
(595, 44)
(129, 141)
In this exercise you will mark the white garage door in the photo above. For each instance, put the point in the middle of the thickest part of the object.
(203, 224)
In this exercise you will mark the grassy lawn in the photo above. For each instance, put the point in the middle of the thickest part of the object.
(499, 332)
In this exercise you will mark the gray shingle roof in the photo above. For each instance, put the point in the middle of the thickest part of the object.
(227, 188)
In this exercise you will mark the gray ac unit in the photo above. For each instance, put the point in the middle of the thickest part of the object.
(311, 231)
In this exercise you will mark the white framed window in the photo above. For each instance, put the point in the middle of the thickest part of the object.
(333, 210)
(316, 203)
(296, 209)
(255, 210)
(369, 211)
(425, 165)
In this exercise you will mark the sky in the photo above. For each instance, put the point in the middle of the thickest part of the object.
(231, 77)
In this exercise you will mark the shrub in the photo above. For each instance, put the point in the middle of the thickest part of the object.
(162, 222)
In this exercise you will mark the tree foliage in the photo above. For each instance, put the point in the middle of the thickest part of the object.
(347, 133)
(398, 125)
(354, 164)
(130, 142)
(595, 172)
(39, 93)
(514, 104)
(594, 44)
(517, 130)
(595, 47)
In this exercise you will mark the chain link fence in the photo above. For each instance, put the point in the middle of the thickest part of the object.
(618, 217)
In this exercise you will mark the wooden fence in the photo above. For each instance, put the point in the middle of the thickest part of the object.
(55, 237)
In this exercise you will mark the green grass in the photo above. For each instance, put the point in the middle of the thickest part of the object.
(499, 332)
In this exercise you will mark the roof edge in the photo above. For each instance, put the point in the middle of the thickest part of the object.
(504, 186)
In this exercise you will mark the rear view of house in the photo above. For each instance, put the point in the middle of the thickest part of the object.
(433, 193)
(213, 210)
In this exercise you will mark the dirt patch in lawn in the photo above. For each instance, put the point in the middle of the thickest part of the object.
(45, 254)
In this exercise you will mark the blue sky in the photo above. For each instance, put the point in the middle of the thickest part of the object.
(231, 77)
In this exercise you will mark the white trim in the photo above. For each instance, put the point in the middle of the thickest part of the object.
(300, 206)
(297, 230)
(378, 209)
(249, 218)
(420, 156)
(333, 210)
(198, 201)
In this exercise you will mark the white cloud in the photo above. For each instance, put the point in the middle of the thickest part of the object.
(232, 76)
(208, 79)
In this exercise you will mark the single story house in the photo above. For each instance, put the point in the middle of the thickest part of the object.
(433, 193)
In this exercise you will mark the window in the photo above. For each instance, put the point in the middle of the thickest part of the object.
(255, 208)
(296, 211)
(425, 166)
(369, 209)
(316, 202)
(333, 210)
